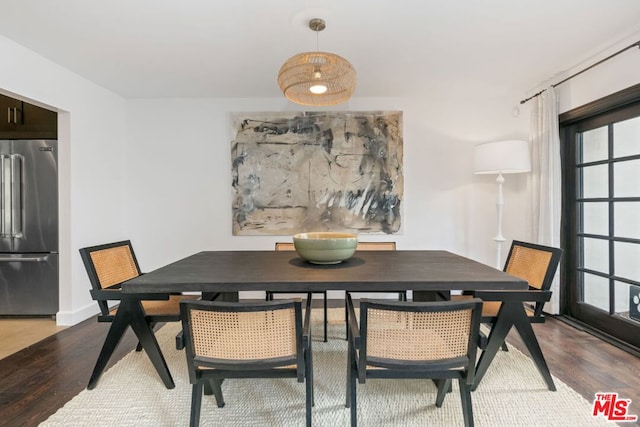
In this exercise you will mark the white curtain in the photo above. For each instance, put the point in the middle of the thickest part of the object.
(546, 179)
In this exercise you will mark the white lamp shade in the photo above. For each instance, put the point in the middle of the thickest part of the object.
(502, 157)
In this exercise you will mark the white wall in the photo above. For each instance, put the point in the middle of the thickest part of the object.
(158, 170)
(613, 75)
(179, 175)
(91, 163)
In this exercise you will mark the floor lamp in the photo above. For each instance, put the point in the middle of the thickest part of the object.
(501, 157)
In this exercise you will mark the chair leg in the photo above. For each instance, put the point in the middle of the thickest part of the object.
(116, 331)
(346, 318)
(353, 398)
(465, 397)
(326, 312)
(152, 326)
(352, 373)
(196, 403)
(443, 389)
(216, 386)
(148, 339)
(503, 346)
(208, 388)
(309, 399)
(180, 340)
(350, 378)
(309, 372)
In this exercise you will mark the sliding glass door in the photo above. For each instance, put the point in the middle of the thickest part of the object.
(601, 165)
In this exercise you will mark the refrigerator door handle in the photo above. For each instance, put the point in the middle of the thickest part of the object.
(25, 259)
(5, 196)
(16, 196)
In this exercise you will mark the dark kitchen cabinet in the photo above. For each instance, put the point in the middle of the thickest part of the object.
(21, 120)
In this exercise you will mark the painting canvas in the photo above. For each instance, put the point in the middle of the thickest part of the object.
(317, 171)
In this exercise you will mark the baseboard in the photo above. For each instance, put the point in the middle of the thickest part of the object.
(70, 318)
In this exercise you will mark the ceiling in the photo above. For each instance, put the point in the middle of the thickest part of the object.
(234, 48)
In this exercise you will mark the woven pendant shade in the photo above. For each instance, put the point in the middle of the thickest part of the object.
(304, 70)
(317, 78)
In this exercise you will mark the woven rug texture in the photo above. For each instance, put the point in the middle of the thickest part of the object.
(512, 393)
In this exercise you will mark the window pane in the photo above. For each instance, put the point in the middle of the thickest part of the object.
(594, 145)
(596, 254)
(595, 181)
(626, 177)
(595, 218)
(626, 138)
(596, 291)
(627, 260)
(627, 219)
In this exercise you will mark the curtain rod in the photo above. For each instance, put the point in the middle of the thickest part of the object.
(582, 71)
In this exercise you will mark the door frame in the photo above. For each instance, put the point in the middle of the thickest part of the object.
(602, 110)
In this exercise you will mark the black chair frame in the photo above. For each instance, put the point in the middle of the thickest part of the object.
(460, 368)
(129, 313)
(210, 380)
(512, 314)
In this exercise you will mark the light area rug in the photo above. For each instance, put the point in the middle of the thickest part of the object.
(512, 393)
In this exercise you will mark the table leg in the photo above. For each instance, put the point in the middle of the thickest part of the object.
(221, 296)
(512, 313)
(431, 295)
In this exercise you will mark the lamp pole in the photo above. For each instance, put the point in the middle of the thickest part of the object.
(501, 157)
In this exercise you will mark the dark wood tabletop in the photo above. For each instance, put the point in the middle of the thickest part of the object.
(234, 271)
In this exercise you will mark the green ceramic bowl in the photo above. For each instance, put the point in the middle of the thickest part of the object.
(325, 247)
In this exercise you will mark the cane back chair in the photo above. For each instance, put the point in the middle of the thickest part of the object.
(537, 264)
(436, 340)
(108, 266)
(246, 340)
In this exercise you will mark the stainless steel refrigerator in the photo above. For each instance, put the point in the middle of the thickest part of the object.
(28, 227)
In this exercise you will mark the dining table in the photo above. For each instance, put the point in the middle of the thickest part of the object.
(430, 274)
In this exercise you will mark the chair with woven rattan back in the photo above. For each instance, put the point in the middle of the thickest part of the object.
(537, 264)
(506, 310)
(108, 266)
(436, 340)
(288, 246)
(246, 340)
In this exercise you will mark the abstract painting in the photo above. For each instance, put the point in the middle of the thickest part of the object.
(317, 171)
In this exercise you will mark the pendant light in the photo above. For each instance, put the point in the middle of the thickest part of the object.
(317, 78)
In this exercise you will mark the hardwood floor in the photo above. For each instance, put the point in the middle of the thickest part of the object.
(36, 381)
(17, 333)
(586, 363)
